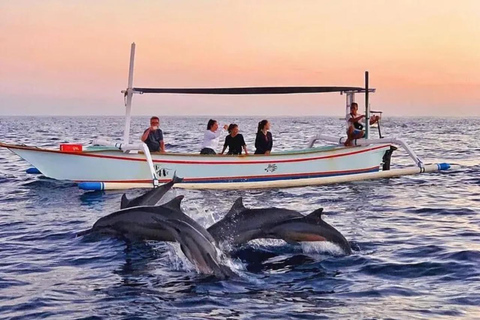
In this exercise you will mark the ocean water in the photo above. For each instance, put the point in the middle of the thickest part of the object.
(416, 239)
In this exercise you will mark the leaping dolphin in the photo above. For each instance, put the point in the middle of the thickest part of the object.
(140, 223)
(199, 249)
(151, 197)
(241, 225)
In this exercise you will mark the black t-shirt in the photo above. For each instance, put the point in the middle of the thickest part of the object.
(153, 140)
(234, 144)
(263, 143)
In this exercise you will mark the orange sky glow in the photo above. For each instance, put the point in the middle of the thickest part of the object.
(71, 57)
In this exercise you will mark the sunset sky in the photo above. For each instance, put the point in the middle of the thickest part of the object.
(71, 57)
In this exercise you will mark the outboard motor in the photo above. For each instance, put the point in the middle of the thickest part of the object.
(387, 157)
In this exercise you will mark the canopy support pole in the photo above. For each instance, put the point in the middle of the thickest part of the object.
(350, 100)
(367, 108)
(129, 95)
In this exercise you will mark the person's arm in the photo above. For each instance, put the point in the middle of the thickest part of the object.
(257, 142)
(145, 135)
(270, 143)
(244, 145)
(355, 119)
(213, 135)
(162, 146)
(358, 118)
(374, 119)
(224, 145)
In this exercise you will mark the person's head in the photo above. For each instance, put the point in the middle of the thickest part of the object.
(263, 125)
(154, 121)
(212, 125)
(233, 129)
(354, 107)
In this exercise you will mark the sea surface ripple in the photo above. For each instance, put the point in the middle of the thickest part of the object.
(416, 239)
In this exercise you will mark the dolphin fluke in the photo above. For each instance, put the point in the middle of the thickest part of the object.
(176, 179)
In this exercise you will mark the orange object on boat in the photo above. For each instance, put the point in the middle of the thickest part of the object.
(71, 147)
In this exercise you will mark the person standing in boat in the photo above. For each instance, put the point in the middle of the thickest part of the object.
(264, 140)
(211, 137)
(354, 127)
(234, 141)
(153, 136)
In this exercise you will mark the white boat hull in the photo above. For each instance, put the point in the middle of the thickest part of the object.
(114, 166)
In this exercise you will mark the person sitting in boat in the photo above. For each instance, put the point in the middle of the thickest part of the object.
(153, 136)
(211, 137)
(354, 127)
(234, 141)
(264, 140)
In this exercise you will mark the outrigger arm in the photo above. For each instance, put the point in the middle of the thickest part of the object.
(137, 147)
(365, 142)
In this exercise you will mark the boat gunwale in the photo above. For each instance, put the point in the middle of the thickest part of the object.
(170, 154)
(241, 159)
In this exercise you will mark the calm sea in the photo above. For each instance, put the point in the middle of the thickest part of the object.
(416, 239)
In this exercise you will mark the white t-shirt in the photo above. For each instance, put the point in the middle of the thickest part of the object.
(210, 139)
(350, 123)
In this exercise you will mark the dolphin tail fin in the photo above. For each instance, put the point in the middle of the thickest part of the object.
(176, 179)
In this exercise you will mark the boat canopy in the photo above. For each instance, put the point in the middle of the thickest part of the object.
(131, 90)
(252, 90)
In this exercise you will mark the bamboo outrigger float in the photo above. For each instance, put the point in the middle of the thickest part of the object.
(126, 165)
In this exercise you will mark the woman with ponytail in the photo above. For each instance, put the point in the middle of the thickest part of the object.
(264, 140)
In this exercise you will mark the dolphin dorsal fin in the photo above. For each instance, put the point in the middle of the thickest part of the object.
(174, 204)
(236, 208)
(124, 201)
(315, 215)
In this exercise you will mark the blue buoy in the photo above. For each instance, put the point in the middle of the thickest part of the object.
(443, 166)
(33, 170)
(91, 186)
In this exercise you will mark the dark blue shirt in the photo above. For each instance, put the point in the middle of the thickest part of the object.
(263, 143)
(153, 140)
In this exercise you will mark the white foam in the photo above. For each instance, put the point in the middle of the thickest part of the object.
(319, 247)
